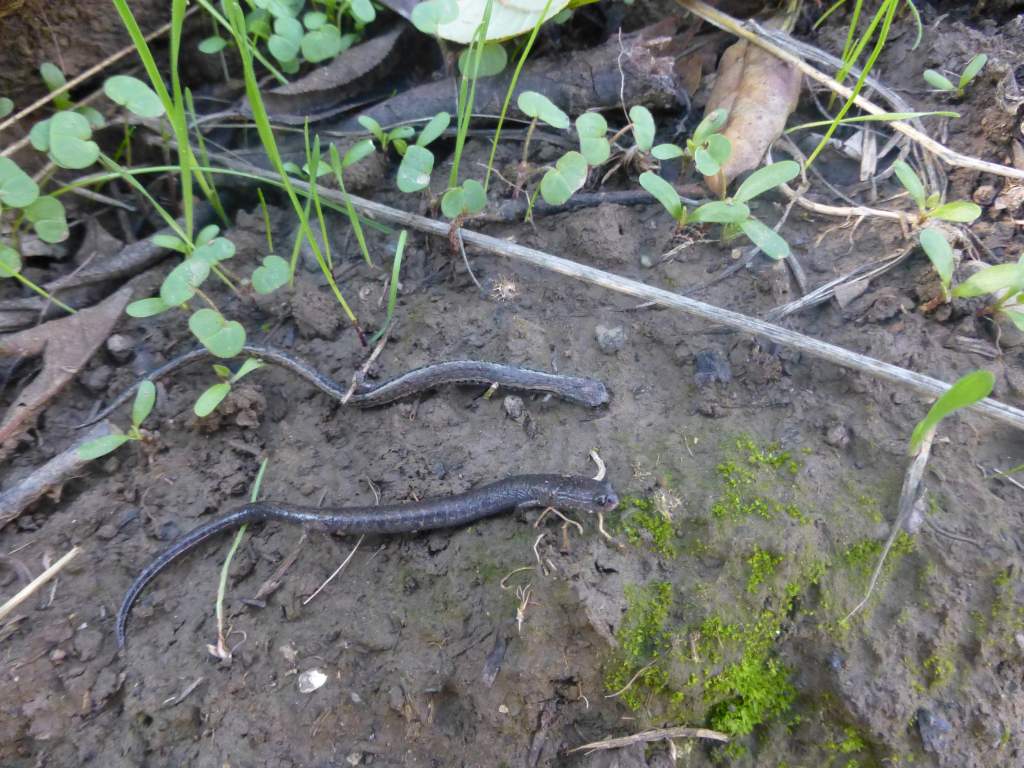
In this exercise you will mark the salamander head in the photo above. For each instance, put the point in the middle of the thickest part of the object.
(581, 494)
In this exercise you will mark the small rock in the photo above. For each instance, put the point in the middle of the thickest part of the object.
(87, 643)
(610, 340)
(934, 729)
(502, 709)
(837, 435)
(97, 379)
(311, 680)
(289, 652)
(711, 366)
(354, 758)
(984, 195)
(120, 346)
(57, 655)
(514, 407)
(835, 661)
(356, 698)
(396, 699)
(1007, 333)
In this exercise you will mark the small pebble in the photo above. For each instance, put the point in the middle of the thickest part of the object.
(311, 680)
(837, 435)
(503, 709)
(356, 699)
(354, 758)
(514, 407)
(984, 195)
(711, 366)
(610, 340)
(97, 379)
(934, 729)
(120, 346)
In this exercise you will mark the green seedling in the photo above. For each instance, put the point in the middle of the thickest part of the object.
(1006, 283)
(707, 148)
(428, 15)
(940, 253)
(141, 408)
(941, 83)
(397, 136)
(968, 390)
(54, 80)
(212, 397)
(493, 60)
(592, 129)
(396, 269)
(6, 107)
(418, 161)
(353, 155)
(733, 213)
(930, 206)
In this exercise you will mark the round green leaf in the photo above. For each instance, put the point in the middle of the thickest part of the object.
(273, 273)
(39, 136)
(705, 162)
(438, 124)
(321, 44)
(215, 251)
(211, 398)
(664, 193)
(134, 95)
(765, 238)
(48, 219)
(144, 400)
(428, 16)
(476, 197)
(710, 125)
(643, 127)
(537, 105)
(968, 390)
(207, 233)
(592, 127)
(493, 59)
(101, 446)
(288, 9)
(6, 106)
(314, 19)
(415, 168)
(453, 202)
(52, 76)
(560, 182)
(222, 371)
(224, 338)
(362, 11)
(70, 141)
(17, 189)
(181, 284)
(10, 261)
(1000, 277)
(147, 307)
(718, 147)
(938, 81)
(961, 211)
(768, 177)
(94, 116)
(721, 212)
(211, 45)
(667, 151)
(287, 38)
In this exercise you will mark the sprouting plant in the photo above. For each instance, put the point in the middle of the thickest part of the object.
(141, 408)
(940, 82)
(353, 155)
(397, 135)
(707, 148)
(53, 79)
(930, 206)
(940, 253)
(1006, 282)
(418, 161)
(212, 397)
(592, 129)
(731, 212)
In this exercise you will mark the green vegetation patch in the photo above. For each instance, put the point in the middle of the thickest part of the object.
(752, 480)
(644, 523)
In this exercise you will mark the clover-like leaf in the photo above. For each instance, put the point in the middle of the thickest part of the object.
(910, 181)
(214, 251)
(999, 277)
(101, 446)
(54, 79)
(939, 252)
(643, 127)
(211, 398)
(568, 175)
(288, 9)
(415, 168)
(314, 19)
(667, 151)
(765, 238)
(493, 59)
(961, 211)
(17, 189)
(147, 307)
(271, 275)
(362, 11)
(321, 44)
(48, 219)
(10, 261)
(211, 45)
(465, 200)
(539, 106)
(766, 178)
(69, 141)
(721, 212)
(94, 116)
(181, 284)
(664, 193)
(144, 401)
(968, 390)
(39, 135)
(938, 81)
(592, 127)
(6, 106)
(134, 95)
(711, 123)
(706, 162)
(437, 125)
(284, 44)
(427, 16)
(224, 338)
(206, 234)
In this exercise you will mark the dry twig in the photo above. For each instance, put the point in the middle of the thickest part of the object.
(679, 732)
(29, 590)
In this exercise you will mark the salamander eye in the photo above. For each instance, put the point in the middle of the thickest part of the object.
(602, 500)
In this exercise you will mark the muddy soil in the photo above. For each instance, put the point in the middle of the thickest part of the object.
(758, 501)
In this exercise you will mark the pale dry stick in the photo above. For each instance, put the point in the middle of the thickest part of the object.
(679, 732)
(273, 583)
(30, 589)
(734, 26)
(601, 469)
(337, 570)
(465, 259)
(1001, 412)
(112, 59)
(566, 520)
(632, 680)
(504, 581)
(178, 698)
(908, 497)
